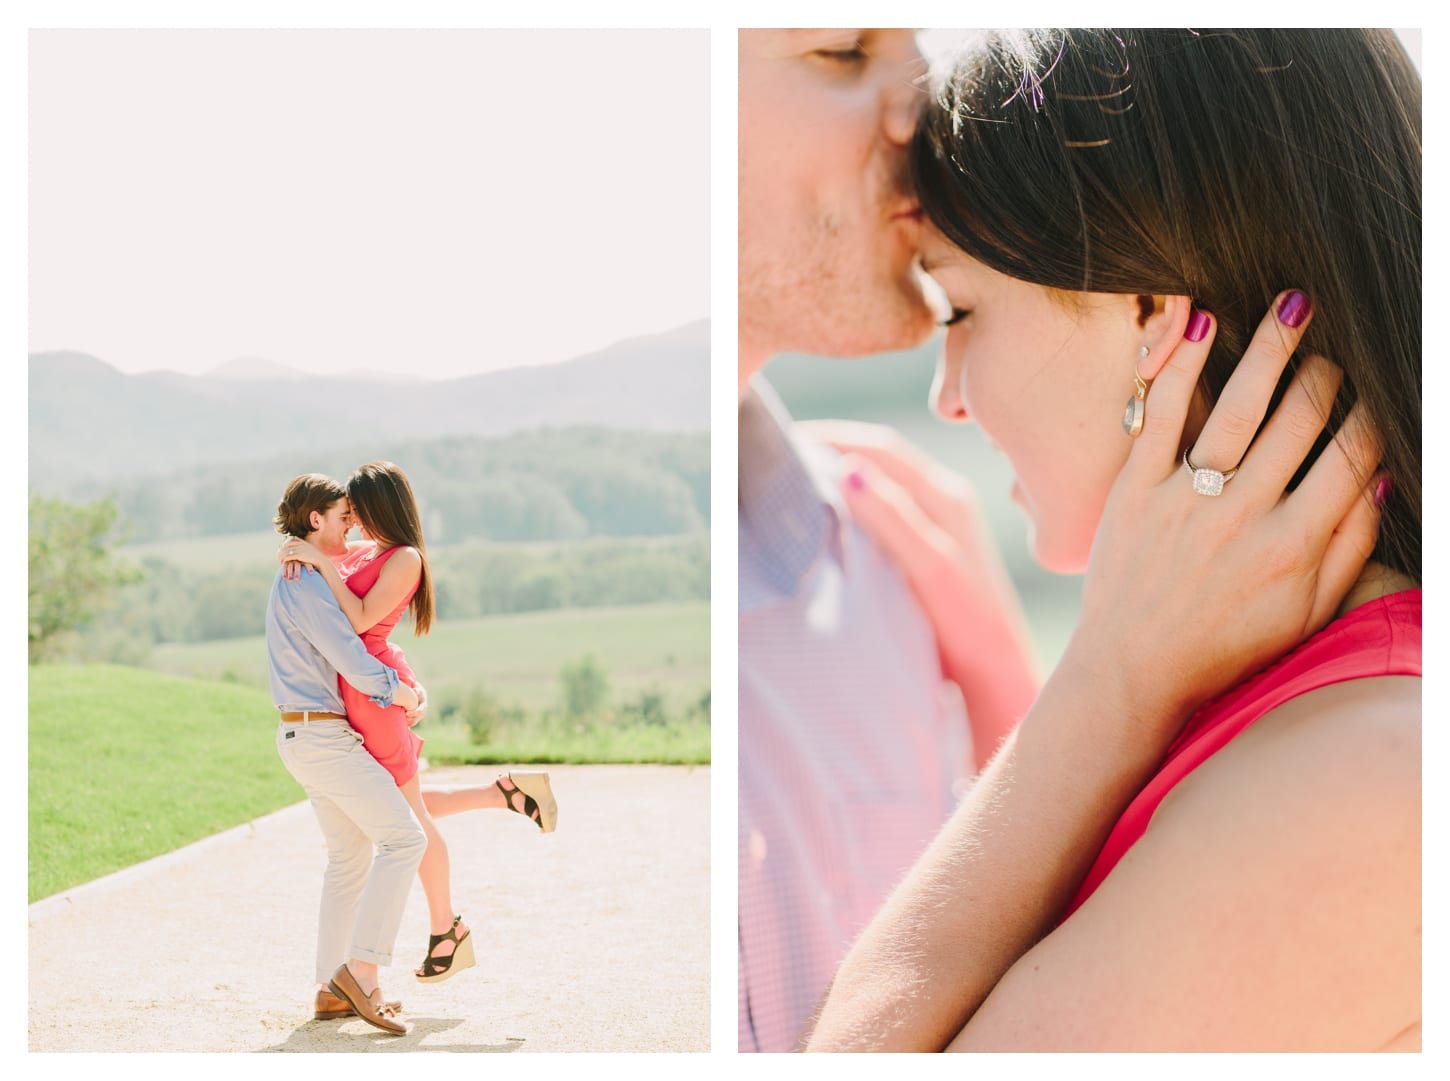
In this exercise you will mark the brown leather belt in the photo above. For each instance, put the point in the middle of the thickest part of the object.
(311, 715)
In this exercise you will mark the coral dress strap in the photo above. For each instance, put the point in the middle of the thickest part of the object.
(367, 569)
(1380, 638)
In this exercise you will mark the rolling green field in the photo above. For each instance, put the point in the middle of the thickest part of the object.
(517, 657)
(125, 765)
(260, 548)
(232, 549)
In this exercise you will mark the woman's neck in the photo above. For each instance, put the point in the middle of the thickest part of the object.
(1374, 582)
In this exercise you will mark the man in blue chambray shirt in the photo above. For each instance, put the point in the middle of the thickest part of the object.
(358, 806)
(851, 742)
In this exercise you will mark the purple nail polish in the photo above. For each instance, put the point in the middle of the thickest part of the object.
(1198, 324)
(1383, 489)
(1294, 309)
(855, 480)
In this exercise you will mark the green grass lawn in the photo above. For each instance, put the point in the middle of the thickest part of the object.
(126, 764)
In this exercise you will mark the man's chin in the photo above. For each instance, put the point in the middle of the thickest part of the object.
(838, 315)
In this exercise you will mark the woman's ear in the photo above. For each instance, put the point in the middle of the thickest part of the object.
(1162, 319)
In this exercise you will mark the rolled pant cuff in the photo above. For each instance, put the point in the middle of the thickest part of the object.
(374, 957)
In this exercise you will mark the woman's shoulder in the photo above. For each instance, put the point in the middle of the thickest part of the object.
(1346, 703)
(1273, 903)
(402, 560)
(1356, 739)
(1314, 814)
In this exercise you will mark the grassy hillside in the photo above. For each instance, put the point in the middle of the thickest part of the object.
(517, 657)
(656, 658)
(125, 765)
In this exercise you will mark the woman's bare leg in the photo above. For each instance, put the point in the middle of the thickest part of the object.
(450, 801)
(433, 872)
(442, 802)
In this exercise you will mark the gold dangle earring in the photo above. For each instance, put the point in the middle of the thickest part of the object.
(1133, 415)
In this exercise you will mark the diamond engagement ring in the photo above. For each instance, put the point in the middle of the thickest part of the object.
(1208, 481)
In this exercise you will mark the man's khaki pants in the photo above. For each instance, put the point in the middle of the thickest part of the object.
(359, 808)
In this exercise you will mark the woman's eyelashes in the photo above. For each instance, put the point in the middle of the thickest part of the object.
(958, 314)
(843, 53)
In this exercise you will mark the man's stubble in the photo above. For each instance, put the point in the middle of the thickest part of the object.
(837, 287)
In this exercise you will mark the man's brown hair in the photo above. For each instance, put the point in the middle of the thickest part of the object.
(307, 493)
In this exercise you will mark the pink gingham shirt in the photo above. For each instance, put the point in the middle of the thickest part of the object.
(851, 743)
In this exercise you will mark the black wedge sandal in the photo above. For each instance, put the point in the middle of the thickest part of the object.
(438, 969)
(539, 807)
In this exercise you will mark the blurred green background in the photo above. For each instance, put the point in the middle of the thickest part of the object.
(893, 389)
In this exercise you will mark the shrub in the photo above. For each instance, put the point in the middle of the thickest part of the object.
(584, 683)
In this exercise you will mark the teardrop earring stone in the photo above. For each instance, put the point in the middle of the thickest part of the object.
(1133, 416)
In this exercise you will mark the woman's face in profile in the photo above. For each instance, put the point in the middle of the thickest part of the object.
(358, 524)
(1046, 375)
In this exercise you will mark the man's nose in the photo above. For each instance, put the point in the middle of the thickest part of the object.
(903, 99)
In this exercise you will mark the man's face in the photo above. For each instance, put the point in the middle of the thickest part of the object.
(329, 528)
(827, 227)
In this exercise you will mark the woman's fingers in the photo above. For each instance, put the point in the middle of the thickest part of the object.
(1240, 409)
(912, 540)
(1289, 434)
(1339, 477)
(1350, 546)
(940, 492)
(1168, 403)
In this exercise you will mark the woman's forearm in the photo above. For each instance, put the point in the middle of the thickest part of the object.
(350, 603)
(998, 874)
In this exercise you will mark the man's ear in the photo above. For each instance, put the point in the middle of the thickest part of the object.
(314, 520)
(1163, 320)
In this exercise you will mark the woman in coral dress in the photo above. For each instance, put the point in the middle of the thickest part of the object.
(1108, 209)
(374, 584)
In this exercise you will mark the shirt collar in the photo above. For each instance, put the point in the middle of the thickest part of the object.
(790, 507)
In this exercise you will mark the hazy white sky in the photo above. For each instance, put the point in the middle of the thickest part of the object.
(438, 202)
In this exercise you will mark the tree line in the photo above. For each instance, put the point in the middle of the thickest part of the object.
(549, 484)
(88, 602)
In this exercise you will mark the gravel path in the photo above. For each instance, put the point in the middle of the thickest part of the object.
(594, 938)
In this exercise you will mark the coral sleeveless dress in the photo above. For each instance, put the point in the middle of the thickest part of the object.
(385, 732)
(1379, 638)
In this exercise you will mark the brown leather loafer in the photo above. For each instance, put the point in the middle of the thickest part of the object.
(329, 1007)
(369, 1007)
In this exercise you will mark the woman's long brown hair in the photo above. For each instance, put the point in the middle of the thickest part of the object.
(383, 503)
(1222, 165)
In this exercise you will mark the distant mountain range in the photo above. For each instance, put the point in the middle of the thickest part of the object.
(90, 423)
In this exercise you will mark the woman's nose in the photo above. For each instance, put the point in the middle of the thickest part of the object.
(947, 399)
